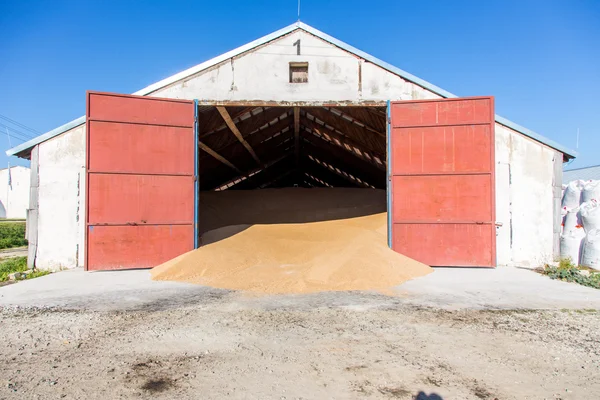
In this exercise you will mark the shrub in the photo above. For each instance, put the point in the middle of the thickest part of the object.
(18, 264)
(7, 267)
(568, 272)
(12, 234)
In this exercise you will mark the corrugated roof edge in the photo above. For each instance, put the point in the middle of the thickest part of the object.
(577, 169)
(272, 36)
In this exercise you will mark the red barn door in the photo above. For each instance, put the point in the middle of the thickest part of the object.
(140, 180)
(441, 181)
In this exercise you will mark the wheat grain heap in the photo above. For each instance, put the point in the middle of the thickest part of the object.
(274, 258)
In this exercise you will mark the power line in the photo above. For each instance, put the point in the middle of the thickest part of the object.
(16, 133)
(20, 125)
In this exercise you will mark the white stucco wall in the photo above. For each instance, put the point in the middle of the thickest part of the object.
(14, 198)
(524, 199)
(61, 162)
(523, 172)
(263, 74)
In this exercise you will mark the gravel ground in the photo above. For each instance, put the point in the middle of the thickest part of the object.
(237, 347)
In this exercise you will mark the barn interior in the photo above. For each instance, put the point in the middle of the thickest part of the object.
(268, 164)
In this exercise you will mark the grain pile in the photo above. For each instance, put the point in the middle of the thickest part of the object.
(332, 255)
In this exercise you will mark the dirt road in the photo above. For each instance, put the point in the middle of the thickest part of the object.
(236, 347)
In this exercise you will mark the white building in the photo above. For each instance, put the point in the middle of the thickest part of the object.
(296, 68)
(14, 192)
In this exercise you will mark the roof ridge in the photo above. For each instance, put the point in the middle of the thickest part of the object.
(275, 35)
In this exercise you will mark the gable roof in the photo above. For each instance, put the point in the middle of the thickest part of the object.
(17, 150)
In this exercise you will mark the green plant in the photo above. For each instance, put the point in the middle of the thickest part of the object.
(566, 263)
(18, 264)
(568, 272)
(7, 267)
(37, 273)
(12, 234)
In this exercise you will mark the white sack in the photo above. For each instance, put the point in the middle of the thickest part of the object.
(591, 190)
(572, 195)
(590, 215)
(591, 250)
(570, 245)
(571, 219)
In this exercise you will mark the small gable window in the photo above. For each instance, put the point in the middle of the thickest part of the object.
(298, 72)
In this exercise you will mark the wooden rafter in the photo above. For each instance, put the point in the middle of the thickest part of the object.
(348, 145)
(360, 134)
(320, 182)
(218, 124)
(368, 170)
(256, 138)
(340, 172)
(237, 133)
(338, 158)
(259, 118)
(371, 145)
(255, 173)
(357, 121)
(353, 120)
(218, 156)
(214, 177)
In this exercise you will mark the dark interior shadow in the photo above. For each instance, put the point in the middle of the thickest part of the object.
(226, 213)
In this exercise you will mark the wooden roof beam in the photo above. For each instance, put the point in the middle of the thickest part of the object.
(318, 181)
(257, 137)
(218, 156)
(317, 122)
(219, 124)
(345, 163)
(336, 170)
(344, 143)
(248, 174)
(237, 133)
(355, 121)
(248, 126)
(324, 174)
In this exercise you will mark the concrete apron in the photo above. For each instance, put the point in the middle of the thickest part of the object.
(447, 288)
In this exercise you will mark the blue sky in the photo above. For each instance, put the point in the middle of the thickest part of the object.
(539, 58)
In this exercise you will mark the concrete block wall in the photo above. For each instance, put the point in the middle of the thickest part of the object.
(524, 169)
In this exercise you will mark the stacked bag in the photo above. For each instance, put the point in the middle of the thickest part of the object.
(580, 235)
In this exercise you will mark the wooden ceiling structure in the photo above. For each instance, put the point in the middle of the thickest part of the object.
(256, 147)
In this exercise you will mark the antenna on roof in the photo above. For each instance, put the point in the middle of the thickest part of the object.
(298, 10)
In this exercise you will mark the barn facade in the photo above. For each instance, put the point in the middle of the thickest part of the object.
(294, 108)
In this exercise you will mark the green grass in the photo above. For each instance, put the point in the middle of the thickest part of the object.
(17, 264)
(12, 234)
(37, 273)
(568, 272)
(7, 267)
